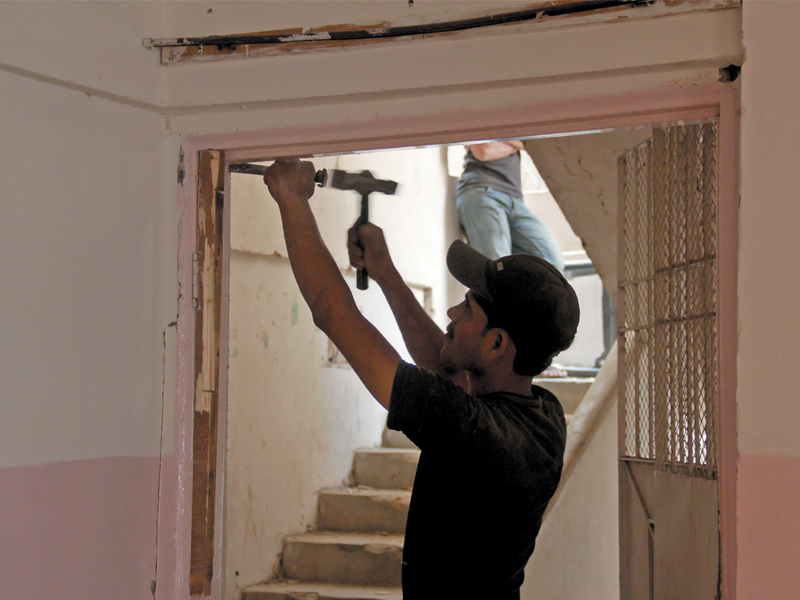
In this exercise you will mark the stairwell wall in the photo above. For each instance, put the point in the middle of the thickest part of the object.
(296, 410)
(577, 551)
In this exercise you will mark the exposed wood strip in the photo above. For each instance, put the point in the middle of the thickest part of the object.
(207, 327)
(349, 35)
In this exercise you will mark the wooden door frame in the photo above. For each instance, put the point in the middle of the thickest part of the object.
(530, 120)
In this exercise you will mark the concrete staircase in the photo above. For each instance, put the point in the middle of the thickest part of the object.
(356, 553)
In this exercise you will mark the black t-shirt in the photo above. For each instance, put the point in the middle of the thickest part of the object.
(488, 468)
(502, 175)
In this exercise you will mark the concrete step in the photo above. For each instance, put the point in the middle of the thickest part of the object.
(347, 558)
(397, 439)
(569, 390)
(284, 590)
(363, 509)
(388, 468)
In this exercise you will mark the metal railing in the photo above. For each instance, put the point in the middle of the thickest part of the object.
(583, 268)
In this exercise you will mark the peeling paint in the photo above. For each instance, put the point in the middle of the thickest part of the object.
(315, 39)
(307, 37)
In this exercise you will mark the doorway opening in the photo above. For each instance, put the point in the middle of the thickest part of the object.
(264, 254)
(291, 394)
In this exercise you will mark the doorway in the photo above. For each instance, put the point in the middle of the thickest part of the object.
(624, 116)
(290, 394)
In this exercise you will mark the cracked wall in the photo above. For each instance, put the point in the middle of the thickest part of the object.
(581, 172)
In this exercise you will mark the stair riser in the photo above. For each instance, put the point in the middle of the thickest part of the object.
(339, 512)
(371, 564)
(397, 439)
(385, 471)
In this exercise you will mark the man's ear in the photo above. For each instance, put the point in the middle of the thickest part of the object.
(500, 341)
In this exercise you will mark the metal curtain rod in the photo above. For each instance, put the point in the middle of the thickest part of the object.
(227, 41)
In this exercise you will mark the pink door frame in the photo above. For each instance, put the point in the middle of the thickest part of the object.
(563, 116)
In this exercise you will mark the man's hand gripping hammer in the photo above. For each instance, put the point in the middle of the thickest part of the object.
(363, 183)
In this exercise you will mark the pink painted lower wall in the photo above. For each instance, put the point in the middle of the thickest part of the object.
(768, 528)
(79, 530)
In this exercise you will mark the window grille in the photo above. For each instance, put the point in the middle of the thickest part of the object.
(667, 299)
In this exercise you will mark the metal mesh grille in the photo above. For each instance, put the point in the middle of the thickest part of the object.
(667, 299)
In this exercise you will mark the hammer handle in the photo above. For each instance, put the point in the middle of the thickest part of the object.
(362, 277)
(320, 178)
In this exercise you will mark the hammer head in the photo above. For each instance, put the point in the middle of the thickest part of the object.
(364, 183)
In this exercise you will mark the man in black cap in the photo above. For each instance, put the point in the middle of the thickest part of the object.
(492, 444)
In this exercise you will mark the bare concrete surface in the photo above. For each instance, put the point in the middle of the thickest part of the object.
(389, 468)
(348, 558)
(397, 439)
(360, 542)
(285, 590)
(364, 509)
(581, 173)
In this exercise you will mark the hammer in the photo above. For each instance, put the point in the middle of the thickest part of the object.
(363, 183)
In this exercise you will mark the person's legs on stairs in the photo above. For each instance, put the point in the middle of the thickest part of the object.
(484, 214)
(529, 235)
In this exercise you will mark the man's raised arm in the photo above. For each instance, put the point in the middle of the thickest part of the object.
(291, 183)
(494, 150)
(423, 338)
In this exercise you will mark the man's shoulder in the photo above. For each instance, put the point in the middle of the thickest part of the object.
(411, 379)
(535, 424)
(424, 401)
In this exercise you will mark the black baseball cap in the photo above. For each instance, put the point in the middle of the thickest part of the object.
(524, 295)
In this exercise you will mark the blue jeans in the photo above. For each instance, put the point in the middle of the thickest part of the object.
(498, 225)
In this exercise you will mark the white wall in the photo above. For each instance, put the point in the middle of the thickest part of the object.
(294, 418)
(88, 239)
(577, 551)
(89, 227)
(769, 294)
(94, 47)
(581, 172)
(770, 333)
